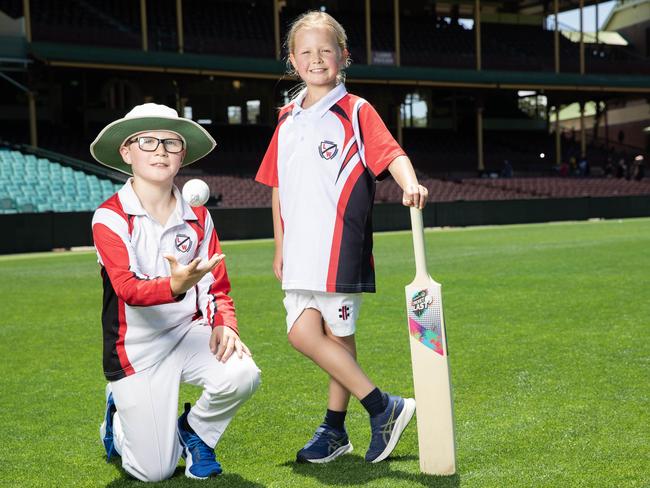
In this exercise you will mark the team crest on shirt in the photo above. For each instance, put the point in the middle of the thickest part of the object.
(183, 242)
(328, 149)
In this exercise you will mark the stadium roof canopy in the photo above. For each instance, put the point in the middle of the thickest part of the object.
(465, 7)
(537, 7)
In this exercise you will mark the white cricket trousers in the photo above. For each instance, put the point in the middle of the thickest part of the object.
(145, 424)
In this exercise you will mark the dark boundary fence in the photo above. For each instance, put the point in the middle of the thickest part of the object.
(46, 231)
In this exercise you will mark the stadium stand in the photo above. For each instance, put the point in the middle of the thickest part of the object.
(115, 23)
(433, 41)
(232, 28)
(445, 158)
(237, 192)
(31, 184)
(517, 188)
(13, 8)
(243, 28)
(233, 191)
(563, 187)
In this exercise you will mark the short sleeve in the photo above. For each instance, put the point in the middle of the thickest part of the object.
(379, 146)
(267, 174)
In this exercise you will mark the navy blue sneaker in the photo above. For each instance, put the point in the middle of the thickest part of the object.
(326, 445)
(200, 462)
(106, 429)
(387, 427)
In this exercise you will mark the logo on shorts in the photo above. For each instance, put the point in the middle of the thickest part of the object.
(328, 150)
(183, 243)
(344, 312)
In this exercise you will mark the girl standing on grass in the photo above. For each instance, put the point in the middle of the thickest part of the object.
(328, 149)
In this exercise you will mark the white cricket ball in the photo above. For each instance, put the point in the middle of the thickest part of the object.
(196, 192)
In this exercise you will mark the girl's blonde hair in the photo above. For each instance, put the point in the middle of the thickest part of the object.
(315, 18)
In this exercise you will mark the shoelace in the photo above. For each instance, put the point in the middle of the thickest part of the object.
(323, 437)
(200, 450)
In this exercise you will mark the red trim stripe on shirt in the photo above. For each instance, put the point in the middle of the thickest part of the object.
(114, 204)
(338, 227)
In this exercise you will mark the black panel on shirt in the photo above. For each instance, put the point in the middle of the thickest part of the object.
(337, 109)
(355, 270)
(111, 329)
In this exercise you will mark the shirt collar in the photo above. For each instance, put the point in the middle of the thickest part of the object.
(323, 105)
(132, 206)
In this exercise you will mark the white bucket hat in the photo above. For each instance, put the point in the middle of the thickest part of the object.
(149, 117)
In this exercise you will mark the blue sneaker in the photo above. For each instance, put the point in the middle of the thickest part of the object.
(326, 445)
(200, 462)
(106, 429)
(387, 427)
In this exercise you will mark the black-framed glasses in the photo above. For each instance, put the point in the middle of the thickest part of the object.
(150, 144)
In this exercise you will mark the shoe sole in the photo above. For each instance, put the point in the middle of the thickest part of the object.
(339, 452)
(400, 424)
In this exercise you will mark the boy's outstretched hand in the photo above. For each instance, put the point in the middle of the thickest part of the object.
(185, 277)
(224, 341)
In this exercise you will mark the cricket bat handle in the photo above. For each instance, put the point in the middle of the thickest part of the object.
(418, 243)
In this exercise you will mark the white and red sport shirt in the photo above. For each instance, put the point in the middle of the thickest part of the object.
(141, 319)
(327, 190)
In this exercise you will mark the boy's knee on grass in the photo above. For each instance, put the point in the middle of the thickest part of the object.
(149, 472)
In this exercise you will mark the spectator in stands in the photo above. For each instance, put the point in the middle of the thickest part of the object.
(639, 167)
(583, 167)
(629, 169)
(323, 243)
(164, 280)
(564, 169)
(609, 167)
(507, 171)
(621, 168)
(573, 166)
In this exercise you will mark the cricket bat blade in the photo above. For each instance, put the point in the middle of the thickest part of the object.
(430, 362)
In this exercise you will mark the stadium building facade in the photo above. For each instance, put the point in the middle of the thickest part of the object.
(464, 86)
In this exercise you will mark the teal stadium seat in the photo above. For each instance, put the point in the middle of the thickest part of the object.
(32, 184)
(27, 208)
(7, 203)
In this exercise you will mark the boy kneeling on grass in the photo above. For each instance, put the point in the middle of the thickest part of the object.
(167, 317)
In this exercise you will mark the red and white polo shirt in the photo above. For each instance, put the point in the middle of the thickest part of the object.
(141, 319)
(327, 190)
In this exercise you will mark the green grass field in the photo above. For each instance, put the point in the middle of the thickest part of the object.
(549, 334)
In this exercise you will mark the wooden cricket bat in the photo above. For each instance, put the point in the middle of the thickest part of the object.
(429, 357)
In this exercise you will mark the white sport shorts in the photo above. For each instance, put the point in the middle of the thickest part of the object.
(339, 310)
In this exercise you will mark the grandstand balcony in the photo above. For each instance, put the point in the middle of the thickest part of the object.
(237, 28)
